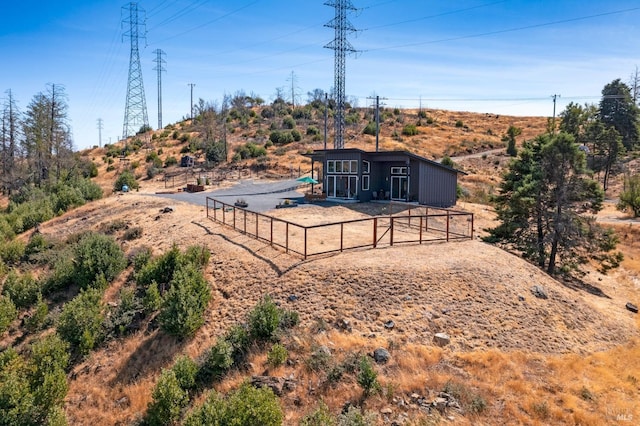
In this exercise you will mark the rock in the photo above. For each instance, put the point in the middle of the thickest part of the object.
(439, 404)
(441, 339)
(277, 384)
(389, 325)
(323, 350)
(123, 402)
(344, 324)
(539, 292)
(521, 298)
(292, 298)
(381, 355)
(167, 210)
(633, 308)
(386, 410)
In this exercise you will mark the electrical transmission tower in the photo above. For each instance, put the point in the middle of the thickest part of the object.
(341, 47)
(135, 111)
(100, 132)
(159, 61)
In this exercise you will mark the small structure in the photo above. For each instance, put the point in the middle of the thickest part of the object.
(187, 161)
(354, 174)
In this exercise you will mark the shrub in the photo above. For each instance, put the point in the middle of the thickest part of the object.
(447, 161)
(182, 311)
(126, 178)
(168, 400)
(62, 274)
(459, 123)
(198, 255)
(152, 300)
(8, 313)
(321, 416)
(250, 406)
(140, 257)
(49, 358)
(355, 417)
(410, 130)
(12, 252)
(370, 129)
(132, 233)
(296, 135)
(630, 195)
(185, 370)
(170, 161)
(277, 355)
(313, 130)
(288, 123)
(23, 290)
(281, 138)
(264, 320)
(38, 316)
(211, 412)
(218, 361)
(160, 270)
(367, 377)
(80, 321)
(95, 255)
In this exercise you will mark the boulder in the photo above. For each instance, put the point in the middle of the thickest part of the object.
(381, 356)
(539, 292)
(631, 307)
(441, 339)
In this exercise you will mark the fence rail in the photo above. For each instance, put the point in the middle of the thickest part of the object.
(428, 225)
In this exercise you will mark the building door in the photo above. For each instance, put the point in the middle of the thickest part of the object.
(399, 187)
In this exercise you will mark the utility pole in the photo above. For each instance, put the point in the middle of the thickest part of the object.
(293, 88)
(377, 98)
(100, 132)
(191, 84)
(135, 112)
(341, 47)
(159, 62)
(553, 123)
(326, 108)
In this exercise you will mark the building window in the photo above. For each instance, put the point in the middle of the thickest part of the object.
(398, 170)
(331, 166)
(338, 166)
(354, 167)
(365, 166)
(365, 182)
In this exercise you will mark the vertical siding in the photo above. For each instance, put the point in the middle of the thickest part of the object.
(437, 186)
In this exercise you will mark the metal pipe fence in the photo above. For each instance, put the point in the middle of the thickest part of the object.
(412, 226)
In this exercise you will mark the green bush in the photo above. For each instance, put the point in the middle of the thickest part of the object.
(313, 130)
(126, 178)
(447, 161)
(160, 269)
(23, 290)
(50, 358)
(459, 123)
(277, 355)
(218, 360)
(152, 301)
(170, 161)
(367, 377)
(62, 273)
(296, 135)
(264, 320)
(140, 257)
(132, 233)
(321, 416)
(281, 138)
(169, 399)
(370, 129)
(182, 311)
(630, 195)
(185, 370)
(11, 252)
(8, 313)
(198, 255)
(80, 321)
(288, 123)
(38, 316)
(410, 130)
(95, 255)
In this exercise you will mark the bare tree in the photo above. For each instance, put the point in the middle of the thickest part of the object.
(9, 135)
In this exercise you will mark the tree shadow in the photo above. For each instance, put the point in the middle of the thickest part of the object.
(156, 351)
(579, 285)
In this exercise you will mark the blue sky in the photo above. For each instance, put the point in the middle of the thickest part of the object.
(506, 57)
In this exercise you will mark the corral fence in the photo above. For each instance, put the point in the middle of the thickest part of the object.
(413, 226)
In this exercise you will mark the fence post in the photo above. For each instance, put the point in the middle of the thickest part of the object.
(447, 225)
(420, 229)
(391, 231)
(472, 226)
(257, 219)
(224, 214)
(286, 241)
(245, 220)
(305, 243)
(234, 218)
(341, 235)
(271, 236)
(375, 232)
(426, 219)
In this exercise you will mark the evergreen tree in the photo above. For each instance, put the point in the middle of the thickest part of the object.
(542, 207)
(617, 109)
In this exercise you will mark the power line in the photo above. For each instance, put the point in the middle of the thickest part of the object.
(159, 60)
(179, 14)
(527, 27)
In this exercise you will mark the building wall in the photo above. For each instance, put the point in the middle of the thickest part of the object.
(437, 186)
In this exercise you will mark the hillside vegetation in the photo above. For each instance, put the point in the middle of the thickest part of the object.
(167, 317)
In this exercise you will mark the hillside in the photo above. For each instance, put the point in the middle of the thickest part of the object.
(513, 358)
